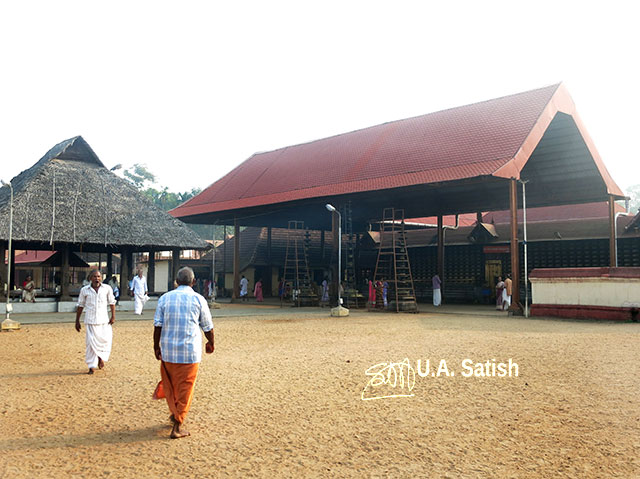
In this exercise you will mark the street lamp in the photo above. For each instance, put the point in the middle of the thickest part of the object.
(526, 265)
(339, 310)
(8, 323)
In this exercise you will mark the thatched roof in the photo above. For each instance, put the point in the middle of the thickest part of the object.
(69, 196)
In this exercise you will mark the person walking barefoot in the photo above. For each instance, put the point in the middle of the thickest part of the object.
(93, 300)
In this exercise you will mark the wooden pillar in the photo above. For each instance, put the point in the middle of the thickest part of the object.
(335, 274)
(479, 217)
(515, 260)
(267, 283)
(3, 269)
(151, 273)
(440, 254)
(175, 266)
(65, 276)
(236, 261)
(612, 233)
(125, 270)
(109, 265)
(224, 250)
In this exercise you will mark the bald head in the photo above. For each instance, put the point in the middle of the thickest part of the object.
(185, 276)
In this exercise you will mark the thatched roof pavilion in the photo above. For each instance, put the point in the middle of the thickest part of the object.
(70, 201)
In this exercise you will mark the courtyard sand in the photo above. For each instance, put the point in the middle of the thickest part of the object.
(282, 397)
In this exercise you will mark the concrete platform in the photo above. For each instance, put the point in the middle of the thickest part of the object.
(270, 308)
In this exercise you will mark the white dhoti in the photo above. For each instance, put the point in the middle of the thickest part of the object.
(506, 299)
(437, 297)
(99, 338)
(139, 300)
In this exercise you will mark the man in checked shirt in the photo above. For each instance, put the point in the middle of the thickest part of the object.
(177, 343)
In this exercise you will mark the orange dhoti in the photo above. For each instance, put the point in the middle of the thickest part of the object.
(178, 381)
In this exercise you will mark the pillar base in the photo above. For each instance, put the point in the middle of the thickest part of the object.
(516, 309)
(339, 311)
(10, 325)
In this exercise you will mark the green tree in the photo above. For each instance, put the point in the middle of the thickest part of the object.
(166, 200)
(138, 174)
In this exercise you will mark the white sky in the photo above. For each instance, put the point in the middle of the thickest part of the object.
(193, 88)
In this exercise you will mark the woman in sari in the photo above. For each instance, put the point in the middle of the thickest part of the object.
(257, 291)
(28, 291)
(499, 289)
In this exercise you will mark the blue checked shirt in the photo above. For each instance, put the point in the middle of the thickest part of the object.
(181, 313)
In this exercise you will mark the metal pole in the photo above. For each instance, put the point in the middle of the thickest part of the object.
(8, 323)
(213, 264)
(8, 307)
(339, 282)
(524, 230)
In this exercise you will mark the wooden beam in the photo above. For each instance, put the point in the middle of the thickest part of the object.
(515, 260)
(612, 232)
(124, 275)
(175, 266)
(267, 283)
(236, 261)
(151, 272)
(65, 277)
(109, 265)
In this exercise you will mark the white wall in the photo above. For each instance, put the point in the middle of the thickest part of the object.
(596, 291)
(161, 277)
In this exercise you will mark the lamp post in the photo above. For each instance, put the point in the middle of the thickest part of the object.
(339, 310)
(8, 323)
(526, 266)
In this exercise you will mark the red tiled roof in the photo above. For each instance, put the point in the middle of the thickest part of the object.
(33, 256)
(493, 137)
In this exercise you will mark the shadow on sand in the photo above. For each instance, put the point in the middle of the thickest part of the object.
(69, 372)
(152, 433)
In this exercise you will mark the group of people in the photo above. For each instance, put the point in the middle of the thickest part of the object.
(378, 293)
(257, 290)
(177, 343)
(504, 290)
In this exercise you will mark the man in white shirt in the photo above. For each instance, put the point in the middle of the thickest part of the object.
(139, 288)
(93, 300)
(244, 288)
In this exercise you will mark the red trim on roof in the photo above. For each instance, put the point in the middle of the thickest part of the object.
(560, 102)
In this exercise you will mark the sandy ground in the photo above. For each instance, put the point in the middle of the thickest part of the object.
(282, 396)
